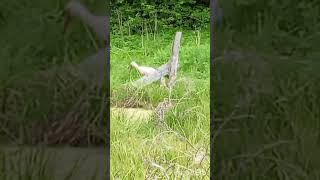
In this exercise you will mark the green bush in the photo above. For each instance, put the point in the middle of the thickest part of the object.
(147, 15)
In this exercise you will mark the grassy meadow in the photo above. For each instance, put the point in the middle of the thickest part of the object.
(266, 105)
(46, 110)
(140, 149)
(266, 102)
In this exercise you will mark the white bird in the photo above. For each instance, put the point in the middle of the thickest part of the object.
(92, 68)
(145, 71)
(97, 23)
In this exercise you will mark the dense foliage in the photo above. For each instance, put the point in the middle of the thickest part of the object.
(292, 16)
(289, 27)
(154, 15)
(296, 17)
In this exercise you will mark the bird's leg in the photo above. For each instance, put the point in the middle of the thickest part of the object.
(162, 81)
(67, 19)
(130, 68)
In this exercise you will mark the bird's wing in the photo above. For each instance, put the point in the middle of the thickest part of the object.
(94, 67)
(101, 27)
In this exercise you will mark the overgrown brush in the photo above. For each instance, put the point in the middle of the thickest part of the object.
(53, 108)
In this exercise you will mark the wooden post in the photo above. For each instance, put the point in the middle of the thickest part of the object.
(173, 67)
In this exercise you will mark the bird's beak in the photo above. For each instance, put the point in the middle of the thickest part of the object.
(67, 19)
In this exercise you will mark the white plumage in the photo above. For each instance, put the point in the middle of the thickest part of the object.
(97, 23)
(145, 71)
(94, 67)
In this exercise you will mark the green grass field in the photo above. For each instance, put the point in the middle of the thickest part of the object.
(41, 104)
(139, 149)
(266, 110)
(266, 101)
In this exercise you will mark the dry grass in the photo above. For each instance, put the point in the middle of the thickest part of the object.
(71, 111)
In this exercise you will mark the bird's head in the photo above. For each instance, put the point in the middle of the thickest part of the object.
(133, 64)
(73, 8)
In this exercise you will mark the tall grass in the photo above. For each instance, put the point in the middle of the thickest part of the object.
(41, 102)
(46, 163)
(39, 98)
(265, 105)
(139, 149)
